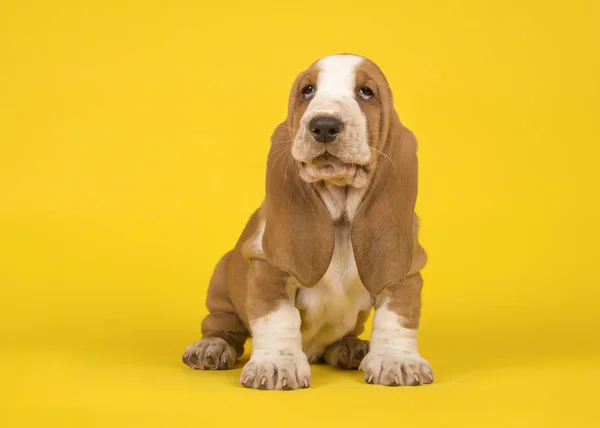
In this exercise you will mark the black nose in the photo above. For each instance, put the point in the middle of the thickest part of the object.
(325, 129)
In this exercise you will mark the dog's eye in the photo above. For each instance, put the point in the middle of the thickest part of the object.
(365, 93)
(308, 91)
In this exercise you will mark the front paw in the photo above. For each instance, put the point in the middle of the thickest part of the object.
(211, 353)
(396, 369)
(279, 369)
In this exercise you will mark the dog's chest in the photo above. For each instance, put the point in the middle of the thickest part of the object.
(331, 308)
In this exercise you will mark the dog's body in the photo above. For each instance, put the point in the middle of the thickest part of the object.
(336, 234)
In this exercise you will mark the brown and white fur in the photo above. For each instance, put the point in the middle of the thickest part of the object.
(335, 236)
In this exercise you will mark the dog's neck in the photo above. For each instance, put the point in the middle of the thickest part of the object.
(342, 202)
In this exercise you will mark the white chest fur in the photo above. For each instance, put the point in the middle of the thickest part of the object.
(330, 309)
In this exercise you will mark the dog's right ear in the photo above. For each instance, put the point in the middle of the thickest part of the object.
(299, 235)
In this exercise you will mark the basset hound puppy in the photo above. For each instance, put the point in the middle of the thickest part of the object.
(335, 236)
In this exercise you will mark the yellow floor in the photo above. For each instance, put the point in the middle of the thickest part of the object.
(135, 378)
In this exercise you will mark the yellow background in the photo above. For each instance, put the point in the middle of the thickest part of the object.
(133, 143)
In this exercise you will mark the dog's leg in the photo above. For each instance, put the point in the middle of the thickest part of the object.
(393, 358)
(277, 360)
(223, 333)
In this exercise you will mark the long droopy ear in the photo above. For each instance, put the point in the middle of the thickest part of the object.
(384, 234)
(298, 236)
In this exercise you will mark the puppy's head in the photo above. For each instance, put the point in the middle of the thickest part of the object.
(338, 112)
(342, 130)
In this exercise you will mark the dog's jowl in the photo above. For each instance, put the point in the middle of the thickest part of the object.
(335, 236)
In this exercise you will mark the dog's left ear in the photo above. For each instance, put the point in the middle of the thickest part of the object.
(384, 230)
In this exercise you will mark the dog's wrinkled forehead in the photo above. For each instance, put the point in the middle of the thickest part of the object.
(337, 75)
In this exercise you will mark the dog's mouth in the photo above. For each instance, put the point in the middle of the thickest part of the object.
(331, 169)
(327, 162)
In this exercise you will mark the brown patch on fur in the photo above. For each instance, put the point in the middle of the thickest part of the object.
(267, 288)
(405, 300)
(370, 76)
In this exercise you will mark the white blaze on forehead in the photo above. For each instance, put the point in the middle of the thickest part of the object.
(337, 75)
